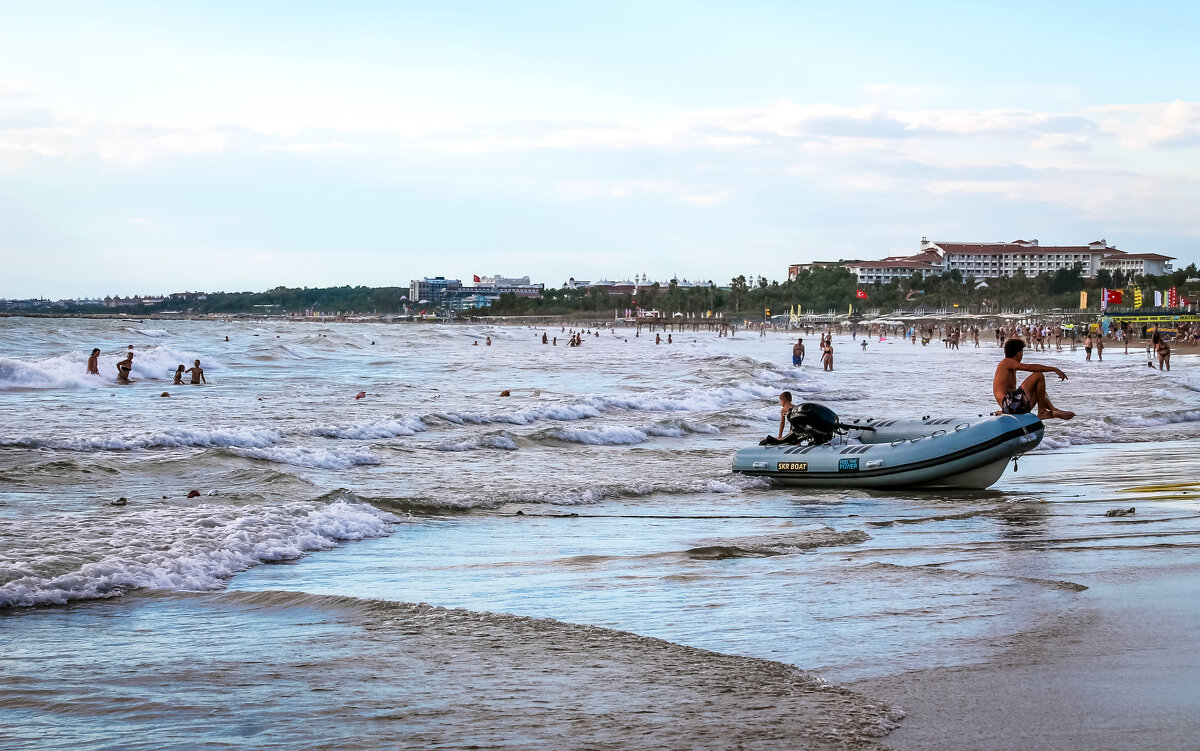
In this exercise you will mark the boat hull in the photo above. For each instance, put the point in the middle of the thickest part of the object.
(929, 453)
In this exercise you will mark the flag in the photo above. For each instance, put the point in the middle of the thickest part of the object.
(1157, 299)
(1113, 297)
(1137, 297)
(476, 278)
(1173, 298)
(1083, 300)
(851, 311)
(861, 294)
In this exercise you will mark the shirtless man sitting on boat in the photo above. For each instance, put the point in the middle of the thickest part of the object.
(1018, 400)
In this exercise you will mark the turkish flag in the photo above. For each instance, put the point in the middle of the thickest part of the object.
(477, 278)
(1112, 296)
(862, 294)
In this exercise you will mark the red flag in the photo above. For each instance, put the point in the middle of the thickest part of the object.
(477, 278)
(862, 294)
(1172, 298)
(1112, 296)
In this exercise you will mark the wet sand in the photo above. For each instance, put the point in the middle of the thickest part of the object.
(1122, 671)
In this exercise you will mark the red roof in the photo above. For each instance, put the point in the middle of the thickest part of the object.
(1144, 257)
(1010, 249)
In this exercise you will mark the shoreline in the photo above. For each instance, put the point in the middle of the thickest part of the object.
(1117, 672)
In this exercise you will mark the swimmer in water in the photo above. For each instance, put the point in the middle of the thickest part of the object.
(197, 374)
(124, 368)
(93, 365)
(178, 376)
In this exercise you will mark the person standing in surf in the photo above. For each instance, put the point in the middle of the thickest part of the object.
(1031, 394)
(197, 374)
(93, 365)
(124, 368)
(798, 354)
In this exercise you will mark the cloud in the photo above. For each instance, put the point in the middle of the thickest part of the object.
(1152, 126)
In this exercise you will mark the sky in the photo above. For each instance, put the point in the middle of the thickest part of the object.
(151, 147)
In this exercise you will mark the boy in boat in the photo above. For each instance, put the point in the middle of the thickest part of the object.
(1018, 400)
(785, 406)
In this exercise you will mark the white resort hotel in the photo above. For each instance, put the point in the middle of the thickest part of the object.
(992, 260)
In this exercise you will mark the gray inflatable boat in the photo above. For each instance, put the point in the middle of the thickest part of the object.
(944, 452)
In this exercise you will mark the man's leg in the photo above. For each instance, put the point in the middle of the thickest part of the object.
(1035, 389)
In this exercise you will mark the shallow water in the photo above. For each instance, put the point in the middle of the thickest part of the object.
(599, 493)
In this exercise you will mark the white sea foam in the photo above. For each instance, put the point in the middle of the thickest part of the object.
(52, 373)
(366, 431)
(174, 438)
(68, 371)
(317, 458)
(169, 547)
(609, 435)
(500, 440)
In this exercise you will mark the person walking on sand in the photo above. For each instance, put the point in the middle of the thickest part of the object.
(124, 368)
(93, 365)
(798, 354)
(1031, 394)
(197, 374)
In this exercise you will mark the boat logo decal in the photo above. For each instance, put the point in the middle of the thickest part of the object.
(792, 466)
(848, 465)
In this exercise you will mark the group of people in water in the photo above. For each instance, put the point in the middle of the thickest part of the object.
(125, 368)
(826, 345)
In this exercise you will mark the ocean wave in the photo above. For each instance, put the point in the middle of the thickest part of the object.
(778, 544)
(52, 373)
(68, 371)
(316, 458)
(1153, 419)
(573, 496)
(499, 440)
(391, 428)
(1130, 429)
(172, 548)
(175, 438)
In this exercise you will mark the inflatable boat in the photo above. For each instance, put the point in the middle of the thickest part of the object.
(942, 452)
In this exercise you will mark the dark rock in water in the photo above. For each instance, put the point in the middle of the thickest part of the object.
(1120, 511)
(193, 494)
(119, 502)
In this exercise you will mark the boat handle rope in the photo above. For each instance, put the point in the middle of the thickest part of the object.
(961, 426)
(898, 441)
(937, 433)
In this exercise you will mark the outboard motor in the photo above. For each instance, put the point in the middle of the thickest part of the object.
(815, 423)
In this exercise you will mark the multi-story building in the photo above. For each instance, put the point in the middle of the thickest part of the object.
(1003, 259)
(1138, 264)
(432, 289)
(990, 260)
(929, 261)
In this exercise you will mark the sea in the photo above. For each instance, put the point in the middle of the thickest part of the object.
(268, 561)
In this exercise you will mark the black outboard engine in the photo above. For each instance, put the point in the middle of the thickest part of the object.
(812, 422)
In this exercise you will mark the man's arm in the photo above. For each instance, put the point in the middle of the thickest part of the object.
(782, 420)
(1031, 367)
